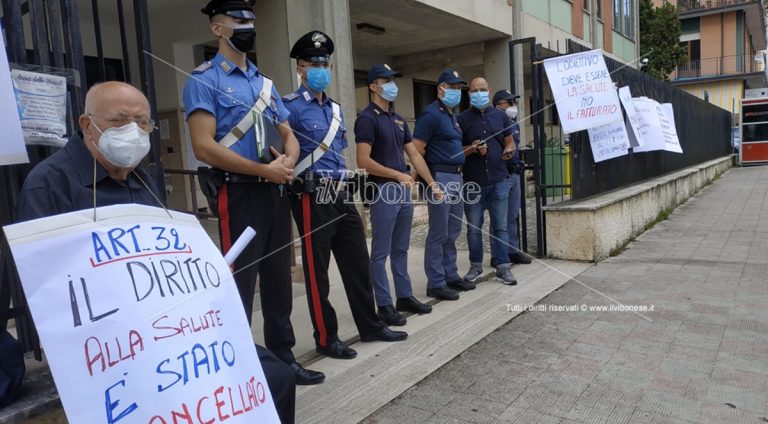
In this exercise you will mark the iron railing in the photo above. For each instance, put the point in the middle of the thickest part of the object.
(689, 5)
(719, 66)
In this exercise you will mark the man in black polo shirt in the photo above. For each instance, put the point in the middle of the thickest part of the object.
(382, 136)
(100, 162)
(487, 140)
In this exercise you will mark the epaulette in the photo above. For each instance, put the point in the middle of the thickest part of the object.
(290, 97)
(203, 67)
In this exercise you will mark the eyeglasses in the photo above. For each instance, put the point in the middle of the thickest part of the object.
(146, 124)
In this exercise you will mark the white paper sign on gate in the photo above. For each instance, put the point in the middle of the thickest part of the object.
(12, 147)
(42, 106)
(583, 91)
(671, 141)
(633, 121)
(609, 141)
(650, 124)
(139, 318)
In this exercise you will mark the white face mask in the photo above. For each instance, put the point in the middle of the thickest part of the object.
(123, 146)
(511, 112)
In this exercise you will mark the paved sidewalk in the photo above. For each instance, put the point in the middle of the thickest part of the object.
(701, 356)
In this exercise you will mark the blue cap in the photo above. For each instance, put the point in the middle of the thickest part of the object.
(450, 76)
(382, 70)
(504, 95)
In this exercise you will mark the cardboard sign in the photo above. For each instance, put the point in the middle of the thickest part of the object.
(42, 105)
(583, 90)
(608, 141)
(633, 121)
(139, 318)
(12, 148)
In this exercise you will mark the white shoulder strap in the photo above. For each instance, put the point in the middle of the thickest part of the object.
(245, 124)
(324, 145)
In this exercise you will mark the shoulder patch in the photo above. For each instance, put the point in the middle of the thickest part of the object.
(203, 67)
(291, 96)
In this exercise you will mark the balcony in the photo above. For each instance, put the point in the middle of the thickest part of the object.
(719, 66)
(691, 5)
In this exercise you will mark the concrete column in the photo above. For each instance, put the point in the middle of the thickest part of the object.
(496, 64)
(280, 23)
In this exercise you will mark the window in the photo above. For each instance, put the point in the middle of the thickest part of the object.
(586, 5)
(624, 17)
(599, 9)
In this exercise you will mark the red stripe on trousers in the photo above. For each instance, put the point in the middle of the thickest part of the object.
(311, 271)
(226, 241)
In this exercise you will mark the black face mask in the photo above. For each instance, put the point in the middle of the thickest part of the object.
(243, 39)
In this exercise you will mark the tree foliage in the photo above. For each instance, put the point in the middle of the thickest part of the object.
(660, 39)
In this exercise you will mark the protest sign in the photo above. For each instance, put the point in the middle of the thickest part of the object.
(139, 318)
(42, 106)
(12, 148)
(608, 141)
(583, 91)
(667, 118)
(650, 124)
(633, 121)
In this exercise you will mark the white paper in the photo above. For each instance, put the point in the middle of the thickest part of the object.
(671, 141)
(12, 148)
(583, 91)
(42, 105)
(139, 317)
(633, 121)
(650, 124)
(608, 141)
(165, 129)
(237, 248)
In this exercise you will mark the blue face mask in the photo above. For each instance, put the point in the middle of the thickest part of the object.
(318, 78)
(389, 91)
(479, 99)
(452, 97)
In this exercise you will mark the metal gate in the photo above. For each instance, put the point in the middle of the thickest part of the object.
(56, 47)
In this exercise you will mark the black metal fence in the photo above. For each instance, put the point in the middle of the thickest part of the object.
(703, 128)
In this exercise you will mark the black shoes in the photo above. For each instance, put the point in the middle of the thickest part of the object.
(411, 304)
(305, 377)
(461, 285)
(443, 293)
(390, 316)
(336, 350)
(519, 258)
(384, 335)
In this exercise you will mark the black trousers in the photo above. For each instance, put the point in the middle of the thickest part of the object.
(326, 228)
(266, 208)
(282, 384)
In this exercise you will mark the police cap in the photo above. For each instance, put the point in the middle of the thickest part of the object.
(241, 9)
(502, 95)
(382, 70)
(450, 76)
(314, 46)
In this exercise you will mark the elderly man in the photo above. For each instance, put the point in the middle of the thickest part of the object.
(487, 140)
(98, 167)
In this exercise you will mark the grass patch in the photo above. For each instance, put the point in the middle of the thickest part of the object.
(662, 216)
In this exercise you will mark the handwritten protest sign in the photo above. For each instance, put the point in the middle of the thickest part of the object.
(668, 130)
(650, 124)
(633, 121)
(42, 106)
(608, 141)
(583, 90)
(12, 148)
(139, 319)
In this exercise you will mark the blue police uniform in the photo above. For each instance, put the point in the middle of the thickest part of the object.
(329, 223)
(227, 93)
(439, 129)
(392, 209)
(490, 173)
(514, 165)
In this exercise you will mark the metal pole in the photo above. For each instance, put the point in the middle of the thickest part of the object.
(14, 31)
(97, 33)
(124, 42)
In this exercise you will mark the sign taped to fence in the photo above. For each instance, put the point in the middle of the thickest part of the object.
(633, 121)
(139, 318)
(648, 113)
(609, 141)
(42, 106)
(668, 130)
(12, 148)
(583, 90)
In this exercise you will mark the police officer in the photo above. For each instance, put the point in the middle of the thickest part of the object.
(327, 222)
(487, 139)
(237, 124)
(437, 136)
(382, 138)
(505, 101)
